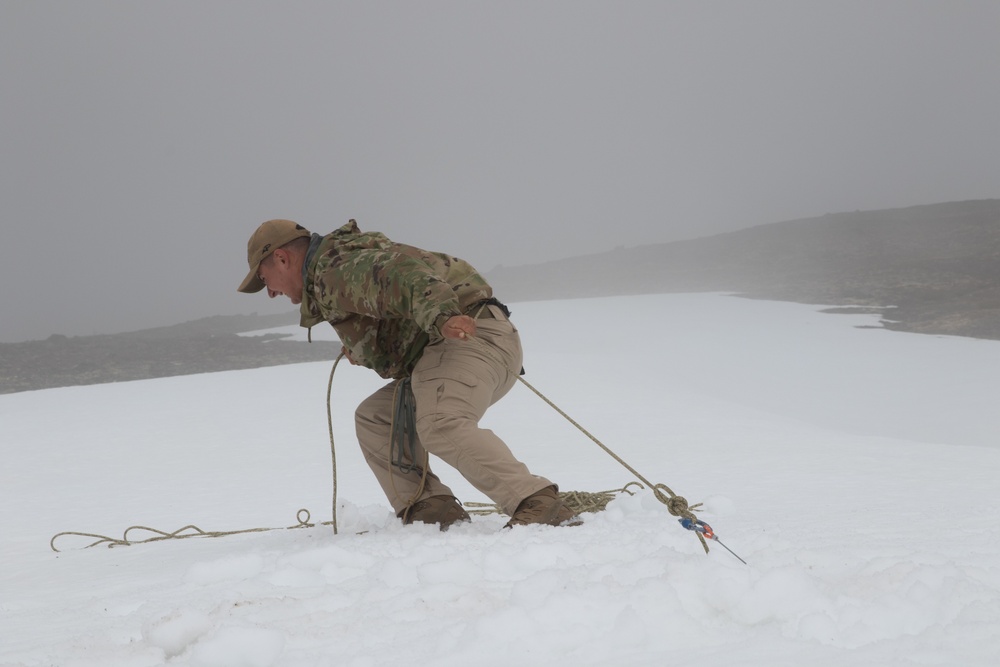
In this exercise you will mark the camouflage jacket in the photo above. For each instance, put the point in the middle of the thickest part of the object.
(385, 300)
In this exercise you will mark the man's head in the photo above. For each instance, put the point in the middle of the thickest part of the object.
(275, 253)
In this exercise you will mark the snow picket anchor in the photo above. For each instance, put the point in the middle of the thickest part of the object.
(704, 529)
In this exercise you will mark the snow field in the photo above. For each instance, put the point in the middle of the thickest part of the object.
(866, 544)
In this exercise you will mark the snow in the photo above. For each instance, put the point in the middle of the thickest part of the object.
(853, 468)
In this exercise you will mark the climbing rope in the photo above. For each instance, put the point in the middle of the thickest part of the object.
(302, 516)
(333, 449)
(578, 501)
(676, 505)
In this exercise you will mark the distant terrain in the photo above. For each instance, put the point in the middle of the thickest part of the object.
(931, 269)
(201, 346)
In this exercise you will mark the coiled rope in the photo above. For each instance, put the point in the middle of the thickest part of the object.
(578, 501)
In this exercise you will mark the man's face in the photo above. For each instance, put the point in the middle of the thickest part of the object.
(281, 277)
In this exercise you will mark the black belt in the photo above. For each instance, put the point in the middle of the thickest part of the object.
(480, 311)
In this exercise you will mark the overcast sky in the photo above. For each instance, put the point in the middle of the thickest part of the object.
(142, 142)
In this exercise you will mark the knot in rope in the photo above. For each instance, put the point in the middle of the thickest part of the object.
(676, 505)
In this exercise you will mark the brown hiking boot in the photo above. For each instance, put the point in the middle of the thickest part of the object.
(442, 510)
(543, 507)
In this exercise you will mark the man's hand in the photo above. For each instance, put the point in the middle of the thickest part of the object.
(459, 326)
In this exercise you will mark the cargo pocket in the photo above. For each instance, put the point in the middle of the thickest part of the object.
(437, 374)
(446, 392)
(430, 358)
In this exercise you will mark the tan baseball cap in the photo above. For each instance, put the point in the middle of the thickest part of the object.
(270, 236)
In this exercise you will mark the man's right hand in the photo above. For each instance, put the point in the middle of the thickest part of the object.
(459, 326)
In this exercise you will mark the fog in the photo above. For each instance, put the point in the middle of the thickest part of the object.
(142, 143)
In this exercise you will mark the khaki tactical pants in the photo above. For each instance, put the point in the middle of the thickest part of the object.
(454, 383)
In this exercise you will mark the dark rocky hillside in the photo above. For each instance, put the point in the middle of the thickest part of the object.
(201, 346)
(937, 266)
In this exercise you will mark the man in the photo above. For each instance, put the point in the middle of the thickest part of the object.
(429, 322)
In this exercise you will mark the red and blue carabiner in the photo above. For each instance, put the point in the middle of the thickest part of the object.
(699, 526)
